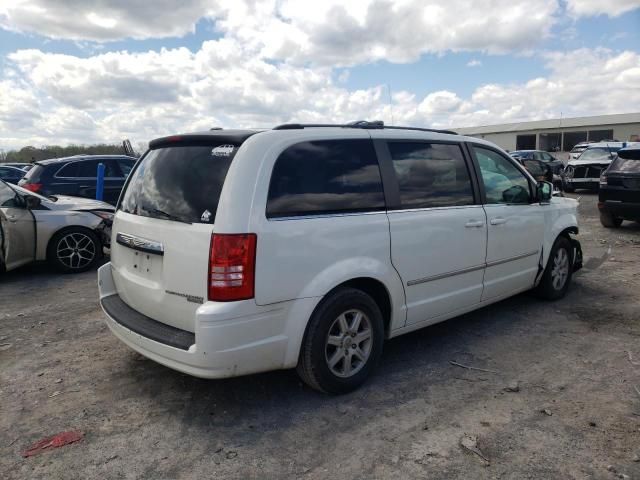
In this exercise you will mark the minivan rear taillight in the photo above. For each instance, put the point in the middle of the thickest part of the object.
(232, 261)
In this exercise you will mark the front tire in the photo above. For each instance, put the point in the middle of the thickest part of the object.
(608, 220)
(343, 342)
(557, 274)
(74, 250)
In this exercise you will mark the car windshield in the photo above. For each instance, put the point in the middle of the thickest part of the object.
(181, 183)
(628, 161)
(595, 154)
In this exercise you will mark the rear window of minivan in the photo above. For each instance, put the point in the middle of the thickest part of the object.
(181, 183)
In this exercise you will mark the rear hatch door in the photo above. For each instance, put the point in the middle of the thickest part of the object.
(162, 230)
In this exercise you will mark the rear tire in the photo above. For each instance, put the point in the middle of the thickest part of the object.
(74, 250)
(343, 342)
(557, 274)
(608, 220)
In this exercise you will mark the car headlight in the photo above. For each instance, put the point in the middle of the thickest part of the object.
(108, 216)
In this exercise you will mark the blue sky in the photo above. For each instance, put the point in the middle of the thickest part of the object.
(197, 62)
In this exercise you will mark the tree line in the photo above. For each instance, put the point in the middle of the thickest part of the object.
(31, 154)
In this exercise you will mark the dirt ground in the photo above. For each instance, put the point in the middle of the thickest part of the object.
(576, 413)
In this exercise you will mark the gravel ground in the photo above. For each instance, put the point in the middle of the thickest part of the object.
(560, 403)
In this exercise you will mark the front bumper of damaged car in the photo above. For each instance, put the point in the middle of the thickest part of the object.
(585, 175)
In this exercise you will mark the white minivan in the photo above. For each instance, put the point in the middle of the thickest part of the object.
(241, 251)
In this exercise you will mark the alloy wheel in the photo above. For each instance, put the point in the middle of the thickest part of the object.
(76, 250)
(560, 270)
(348, 344)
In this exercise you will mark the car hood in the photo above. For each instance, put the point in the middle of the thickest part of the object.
(78, 204)
(602, 161)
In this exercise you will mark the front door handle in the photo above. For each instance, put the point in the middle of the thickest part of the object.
(498, 221)
(12, 218)
(474, 224)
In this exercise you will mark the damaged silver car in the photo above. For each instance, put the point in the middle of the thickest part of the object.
(584, 171)
(68, 232)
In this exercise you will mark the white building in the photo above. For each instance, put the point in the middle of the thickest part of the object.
(559, 134)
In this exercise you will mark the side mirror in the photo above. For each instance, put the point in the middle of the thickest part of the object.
(32, 202)
(545, 191)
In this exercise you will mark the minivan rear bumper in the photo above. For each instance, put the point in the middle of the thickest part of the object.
(230, 338)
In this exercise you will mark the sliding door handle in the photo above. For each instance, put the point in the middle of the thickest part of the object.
(498, 221)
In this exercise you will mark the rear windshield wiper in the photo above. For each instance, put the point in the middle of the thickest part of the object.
(166, 215)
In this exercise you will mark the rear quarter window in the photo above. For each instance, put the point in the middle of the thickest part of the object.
(325, 177)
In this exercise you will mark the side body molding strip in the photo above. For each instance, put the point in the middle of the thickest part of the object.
(470, 269)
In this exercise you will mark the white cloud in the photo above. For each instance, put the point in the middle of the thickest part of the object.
(474, 63)
(612, 8)
(103, 20)
(330, 32)
(52, 98)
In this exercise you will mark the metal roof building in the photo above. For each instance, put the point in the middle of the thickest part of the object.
(559, 134)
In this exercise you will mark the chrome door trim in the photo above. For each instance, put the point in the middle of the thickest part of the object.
(470, 269)
(139, 243)
(512, 259)
(445, 275)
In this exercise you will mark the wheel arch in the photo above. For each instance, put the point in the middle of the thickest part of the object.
(374, 287)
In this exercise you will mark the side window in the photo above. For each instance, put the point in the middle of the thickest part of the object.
(431, 175)
(111, 168)
(70, 170)
(125, 166)
(88, 169)
(539, 156)
(7, 195)
(328, 176)
(503, 181)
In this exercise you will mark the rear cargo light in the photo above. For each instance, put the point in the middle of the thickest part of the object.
(232, 260)
(32, 187)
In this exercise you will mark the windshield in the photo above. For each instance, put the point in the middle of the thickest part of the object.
(628, 161)
(595, 154)
(181, 183)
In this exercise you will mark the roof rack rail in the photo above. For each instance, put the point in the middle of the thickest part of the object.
(374, 125)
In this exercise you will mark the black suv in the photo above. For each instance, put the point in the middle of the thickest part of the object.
(77, 176)
(619, 197)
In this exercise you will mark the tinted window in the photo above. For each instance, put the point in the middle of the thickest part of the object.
(503, 181)
(179, 183)
(431, 175)
(7, 195)
(88, 168)
(328, 176)
(628, 161)
(125, 166)
(69, 170)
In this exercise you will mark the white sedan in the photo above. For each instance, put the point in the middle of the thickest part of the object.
(69, 232)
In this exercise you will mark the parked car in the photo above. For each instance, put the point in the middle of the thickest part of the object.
(585, 171)
(11, 174)
(68, 232)
(76, 176)
(542, 165)
(619, 196)
(22, 166)
(578, 149)
(241, 251)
